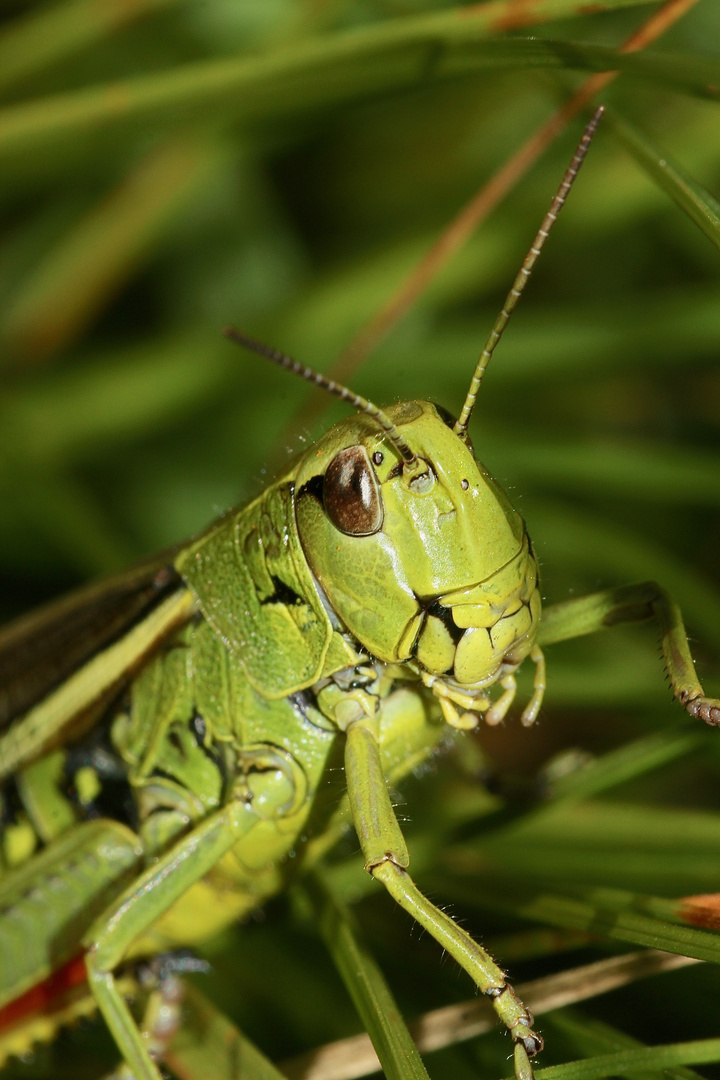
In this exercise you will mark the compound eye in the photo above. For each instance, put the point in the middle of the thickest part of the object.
(351, 493)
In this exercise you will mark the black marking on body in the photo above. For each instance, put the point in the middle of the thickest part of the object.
(302, 701)
(444, 614)
(10, 804)
(212, 751)
(282, 594)
(314, 487)
(445, 415)
(115, 799)
(176, 742)
(363, 678)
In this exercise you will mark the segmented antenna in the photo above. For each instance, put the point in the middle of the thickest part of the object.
(332, 387)
(520, 282)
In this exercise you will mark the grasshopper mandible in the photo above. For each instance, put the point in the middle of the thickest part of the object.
(381, 585)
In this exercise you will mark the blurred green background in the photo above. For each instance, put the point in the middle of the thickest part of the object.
(169, 166)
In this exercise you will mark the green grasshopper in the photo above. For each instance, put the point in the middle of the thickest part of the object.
(168, 733)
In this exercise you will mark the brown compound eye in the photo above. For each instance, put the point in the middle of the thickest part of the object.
(351, 493)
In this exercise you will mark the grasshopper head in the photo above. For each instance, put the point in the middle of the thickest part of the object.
(432, 563)
(416, 548)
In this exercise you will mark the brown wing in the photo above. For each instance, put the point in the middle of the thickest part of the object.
(40, 650)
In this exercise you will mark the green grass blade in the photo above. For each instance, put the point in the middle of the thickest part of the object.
(592, 1036)
(326, 72)
(631, 470)
(689, 195)
(598, 843)
(57, 31)
(54, 33)
(635, 758)
(132, 392)
(208, 1046)
(661, 328)
(613, 913)
(366, 985)
(63, 515)
(508, 15)
(104, 248)
(586, 541)
(702, 1052)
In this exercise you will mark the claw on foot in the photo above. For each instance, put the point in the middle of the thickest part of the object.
(704, 708)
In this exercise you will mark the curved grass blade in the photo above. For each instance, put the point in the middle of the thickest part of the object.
(326, 72)
(601, 844)
(634, 470)
(701, 1052)
(586, 541)
(637, 918)
(132, 392)
(105, 246)
(627, 762)
(365, 984)
(51, 34)
(208, 1046)
(591, 1036)
(700, 206)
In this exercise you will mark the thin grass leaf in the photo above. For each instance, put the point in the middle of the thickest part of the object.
(661, 330)
(604, 845)
(327, 72)
(613, 913)
(635, 758)
(57, 31)
(592, 1036)
(366, 985)
(208, 1046)
(586, 541)
(644, 471)
(65, 515)
(700, 206)
(348, 1059)
(133, 392)
(633, 1061)
(95, 259)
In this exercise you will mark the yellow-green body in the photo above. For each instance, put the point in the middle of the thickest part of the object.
(295, 631)
(181, 774)
(171, 742)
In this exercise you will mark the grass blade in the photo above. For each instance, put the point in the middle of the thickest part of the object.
(208, 1046)
(348, 1059)
(700, 206)
(366, 985)
(93, 262)
(328, 71)
(702, 1052)
(57, 31)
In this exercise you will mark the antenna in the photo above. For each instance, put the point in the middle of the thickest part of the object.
(520, 282)
(310, 375)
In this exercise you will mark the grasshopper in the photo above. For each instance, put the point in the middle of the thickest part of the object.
(167, 733)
